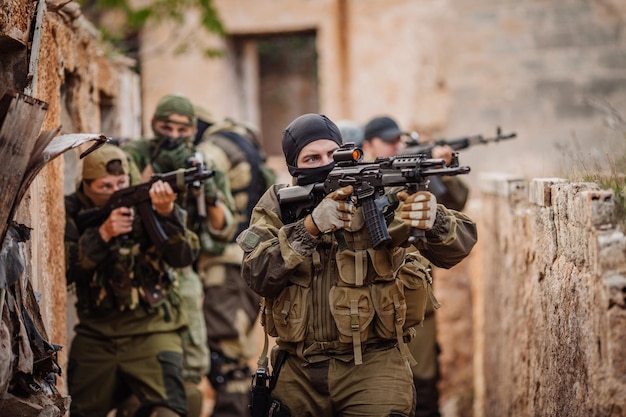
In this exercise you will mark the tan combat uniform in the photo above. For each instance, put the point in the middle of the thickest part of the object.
(341, 315)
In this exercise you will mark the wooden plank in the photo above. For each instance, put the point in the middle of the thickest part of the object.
(21, 118)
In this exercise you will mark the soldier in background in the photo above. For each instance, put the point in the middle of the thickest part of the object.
(383, 138)
(210, 216)
(231, 309)
(130, 316)
(452, 193)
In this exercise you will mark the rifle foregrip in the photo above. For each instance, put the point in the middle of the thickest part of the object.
(375, 223)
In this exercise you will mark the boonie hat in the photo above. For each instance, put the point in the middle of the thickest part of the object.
(95, 164)
(382, 127)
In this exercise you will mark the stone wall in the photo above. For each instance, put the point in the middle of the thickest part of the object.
(549, 307)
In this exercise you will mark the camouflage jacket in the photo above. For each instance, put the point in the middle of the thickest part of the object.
(211, 239)
(125, 286)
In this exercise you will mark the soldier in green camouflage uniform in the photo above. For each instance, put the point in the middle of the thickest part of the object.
(230, 307)
(130, 317)
(209, 211)
(341, 315)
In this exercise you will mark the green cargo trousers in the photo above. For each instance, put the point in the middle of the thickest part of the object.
(104, 372)
(381, 387)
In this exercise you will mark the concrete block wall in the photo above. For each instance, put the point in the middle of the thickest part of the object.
(549, 304)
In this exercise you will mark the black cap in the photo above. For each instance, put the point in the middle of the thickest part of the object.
(382, 127)
(304, 130)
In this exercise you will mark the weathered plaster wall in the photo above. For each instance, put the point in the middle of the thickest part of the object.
(73, 75)
(549, 303)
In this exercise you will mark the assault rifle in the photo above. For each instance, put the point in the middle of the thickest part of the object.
(456, 144)
(369, 180)
(138, 196)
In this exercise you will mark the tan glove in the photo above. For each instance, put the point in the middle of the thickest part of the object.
(357, 221)
(418, 210)
(334, 211)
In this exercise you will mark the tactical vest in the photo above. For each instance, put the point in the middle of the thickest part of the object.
(133, 275)
(373, 296)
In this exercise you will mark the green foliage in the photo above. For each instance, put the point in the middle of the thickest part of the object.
(130, 20)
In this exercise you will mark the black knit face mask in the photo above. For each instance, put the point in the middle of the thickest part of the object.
(306, 176)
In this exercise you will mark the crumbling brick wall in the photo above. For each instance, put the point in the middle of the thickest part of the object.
(550, 316)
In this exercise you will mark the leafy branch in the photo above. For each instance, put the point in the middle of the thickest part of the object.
(120, 22)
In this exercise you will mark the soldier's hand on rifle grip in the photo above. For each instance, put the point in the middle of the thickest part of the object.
(119, 222)
(162, 198)
(334, 212)
(418, 210)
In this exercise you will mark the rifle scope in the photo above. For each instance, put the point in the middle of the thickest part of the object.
(348, 153)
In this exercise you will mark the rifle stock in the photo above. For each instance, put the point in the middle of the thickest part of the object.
(369, 180)
(138, 196)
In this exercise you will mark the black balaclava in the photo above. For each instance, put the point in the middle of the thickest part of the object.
(302, 131)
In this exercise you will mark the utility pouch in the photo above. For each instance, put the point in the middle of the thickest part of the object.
(120, 273)
(352, 266)
(417, 283)
(353, 312)
(390, 305)
(290, 313)
(386, 261)
(152, 292)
